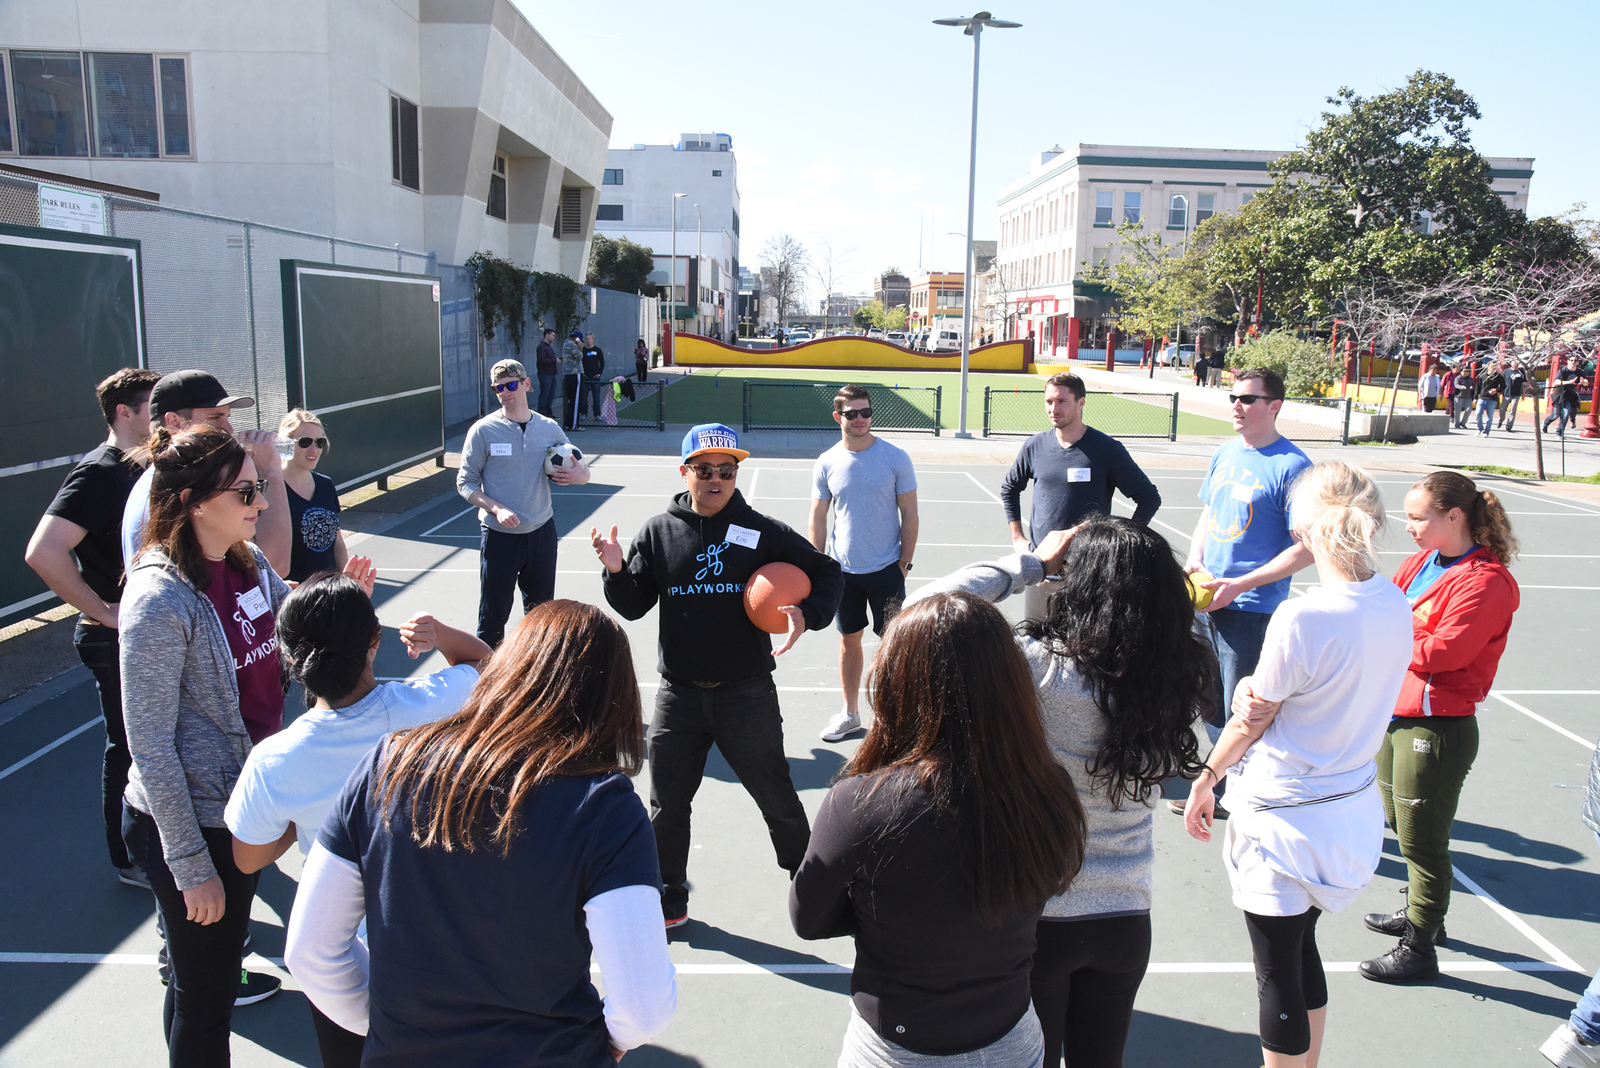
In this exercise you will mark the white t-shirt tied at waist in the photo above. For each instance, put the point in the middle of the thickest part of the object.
(1306, 824)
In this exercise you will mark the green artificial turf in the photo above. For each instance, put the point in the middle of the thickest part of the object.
(717, 396)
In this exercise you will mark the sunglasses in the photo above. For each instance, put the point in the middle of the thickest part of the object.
(306, 443)
(248, 492)
(852, 414)
(726, 472)
(1247, 399)
(507, 387)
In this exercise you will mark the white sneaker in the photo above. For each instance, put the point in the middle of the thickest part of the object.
(1565, 1050)
(841, 726)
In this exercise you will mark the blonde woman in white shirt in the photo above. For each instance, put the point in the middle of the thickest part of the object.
(1306, 830)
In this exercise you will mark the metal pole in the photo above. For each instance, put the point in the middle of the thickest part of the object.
(699, 265)
(966, 280)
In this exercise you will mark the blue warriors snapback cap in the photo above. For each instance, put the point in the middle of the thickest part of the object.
(712, 437)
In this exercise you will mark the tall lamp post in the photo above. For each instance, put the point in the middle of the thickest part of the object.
(672, 276)
(974, 28)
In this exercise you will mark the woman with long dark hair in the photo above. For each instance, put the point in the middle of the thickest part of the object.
(940, 846)
(1120, 675)
(201, 683)
(492, 854)
(1306, 828)
(1462, 600)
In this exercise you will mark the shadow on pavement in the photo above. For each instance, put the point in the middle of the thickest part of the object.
(808, 773)
(1155, 1041)
(1508, 841)
(660, 1057)
(698, 934)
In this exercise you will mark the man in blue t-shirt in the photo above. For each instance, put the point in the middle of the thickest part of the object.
(872, 488)
(1244, 535)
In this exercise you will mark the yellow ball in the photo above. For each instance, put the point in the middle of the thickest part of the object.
(1198, 593)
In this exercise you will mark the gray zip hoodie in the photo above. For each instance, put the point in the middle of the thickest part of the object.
(180, 703)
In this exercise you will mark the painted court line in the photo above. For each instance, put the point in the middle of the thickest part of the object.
(992, 495)
(1519, 923)
(1531, 714)
(452, 519)
(37, 753)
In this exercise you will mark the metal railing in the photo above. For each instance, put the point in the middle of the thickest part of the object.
(1020, 413)
(1334, 429)
(809, 406)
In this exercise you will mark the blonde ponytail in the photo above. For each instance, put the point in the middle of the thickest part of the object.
(1337, 508)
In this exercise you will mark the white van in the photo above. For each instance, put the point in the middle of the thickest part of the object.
(944, 341)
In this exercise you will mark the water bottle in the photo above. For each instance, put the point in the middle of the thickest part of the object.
(285, 447)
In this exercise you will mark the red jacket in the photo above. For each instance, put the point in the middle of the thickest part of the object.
(1459, 628)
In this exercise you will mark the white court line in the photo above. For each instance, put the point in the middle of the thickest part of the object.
(452, 519)
(37, 753)
(1519, 923)
(1531, 714)
(1577, 693)
(1186, 535)
(992, 495)
(1543, 499)
(750, 492)
(148, 960)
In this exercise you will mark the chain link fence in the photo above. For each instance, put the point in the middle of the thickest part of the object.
(809, 406)
(1020, 413)
(1323, 420)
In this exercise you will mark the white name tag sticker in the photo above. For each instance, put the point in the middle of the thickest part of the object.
(1077, 474)
(738, 535)
(1243, 494)
(252, 603)
(499, 448)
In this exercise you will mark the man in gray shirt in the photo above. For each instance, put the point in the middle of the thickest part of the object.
(502, 474)
(873, 490)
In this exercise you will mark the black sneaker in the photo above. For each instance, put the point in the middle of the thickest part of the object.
(255, 986)
(1412, 960)
(132, 876)
(1395, 924)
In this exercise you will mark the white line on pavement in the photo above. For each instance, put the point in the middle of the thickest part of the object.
(452, 519)
(1578, 693)
(37, 753)
(1519, 923)
(992, 495)
(1531, 714)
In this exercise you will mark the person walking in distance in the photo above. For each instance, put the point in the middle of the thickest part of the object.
(546, 364)
(1075, 470)
(1447, 393)
(1563, 395)
(77, 550)
(571, 380)
(1244, 540)
(872, 489)
(502, 475)
(1307, 829)
(1428, 389)
(185, 399)
(1214, 371)
(317, 543)
(594, 372)
(1516, 385)
(1462, 600)
(716, 665)
(641, 361)
(1491, 388)
(1466, 391)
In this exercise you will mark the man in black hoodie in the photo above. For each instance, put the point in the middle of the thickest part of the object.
(716, 666)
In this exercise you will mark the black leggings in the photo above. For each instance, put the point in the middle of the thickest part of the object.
(339, 1048)
(1086, 974)
(1289, 979)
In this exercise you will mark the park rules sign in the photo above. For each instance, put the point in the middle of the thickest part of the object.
(71, 209)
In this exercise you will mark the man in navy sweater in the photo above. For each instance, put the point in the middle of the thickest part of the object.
(716, 666)
(1075, 470)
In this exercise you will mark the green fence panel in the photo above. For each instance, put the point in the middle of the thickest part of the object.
(809, 406)
(1020, 413)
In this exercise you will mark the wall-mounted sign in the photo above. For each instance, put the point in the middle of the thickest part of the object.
(72, 209)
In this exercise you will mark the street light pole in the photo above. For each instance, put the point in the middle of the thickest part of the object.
(672, 275)
(974, 29)
(699, 265)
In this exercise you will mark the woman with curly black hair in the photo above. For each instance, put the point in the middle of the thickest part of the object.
(1121, 676)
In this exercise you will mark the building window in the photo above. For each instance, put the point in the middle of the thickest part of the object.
(175, 105)
(609, 213)
(405, 162)
(110, 105)
(1102, 208)
(612, 176)
(1247, 196)
(1132, 206)
(1206, 208)
(126, 121)
(1178, 212)
(497, 188)
(736, 223)
(569, 221)
(6, 144)
(1102, 255)
(716, 174)
(50, 103)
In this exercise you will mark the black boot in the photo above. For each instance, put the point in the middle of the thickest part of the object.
(1395, 924)
(1412, 960)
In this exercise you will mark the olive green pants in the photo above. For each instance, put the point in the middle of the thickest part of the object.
(1421, 766)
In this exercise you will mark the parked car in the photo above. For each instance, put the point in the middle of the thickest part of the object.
(762, 344)
(898, 337)
(944, 341)
(1183, 357)
(795, 337)
(875, 332)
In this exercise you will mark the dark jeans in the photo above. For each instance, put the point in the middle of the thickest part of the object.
(569, 400)
(1236, 636)
(641, 371)
(204, 959)
(1086, 974)
(1566, 411)
(1289, 978)
(547, 395)
(508, 562)
(595, 390)
(339, 1048)
(743, 719)
(97, 648)
(1422, 765)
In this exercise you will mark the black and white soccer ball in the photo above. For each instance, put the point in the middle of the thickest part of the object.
(562, 456)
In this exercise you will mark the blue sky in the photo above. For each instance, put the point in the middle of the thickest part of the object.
(850, 120)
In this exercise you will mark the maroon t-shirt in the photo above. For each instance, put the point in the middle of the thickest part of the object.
(248, 622)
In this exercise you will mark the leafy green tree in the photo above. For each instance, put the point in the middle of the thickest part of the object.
(1307, 366)
(620, 264)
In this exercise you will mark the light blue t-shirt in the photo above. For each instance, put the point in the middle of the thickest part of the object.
(863, 487)
(1247, 491)
(135, 514)
(1431, 572)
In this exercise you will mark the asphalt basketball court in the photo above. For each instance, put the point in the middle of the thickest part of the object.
(78, 983)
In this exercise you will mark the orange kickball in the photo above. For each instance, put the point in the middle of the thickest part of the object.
(771, 588)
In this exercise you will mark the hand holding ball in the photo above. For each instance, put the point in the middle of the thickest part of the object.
(769, 590)
(1198, 593)
(561, 457)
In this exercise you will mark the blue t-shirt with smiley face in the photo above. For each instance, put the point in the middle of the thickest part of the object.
(1247, 491)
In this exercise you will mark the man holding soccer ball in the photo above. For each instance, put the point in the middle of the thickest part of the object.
(507, 464)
